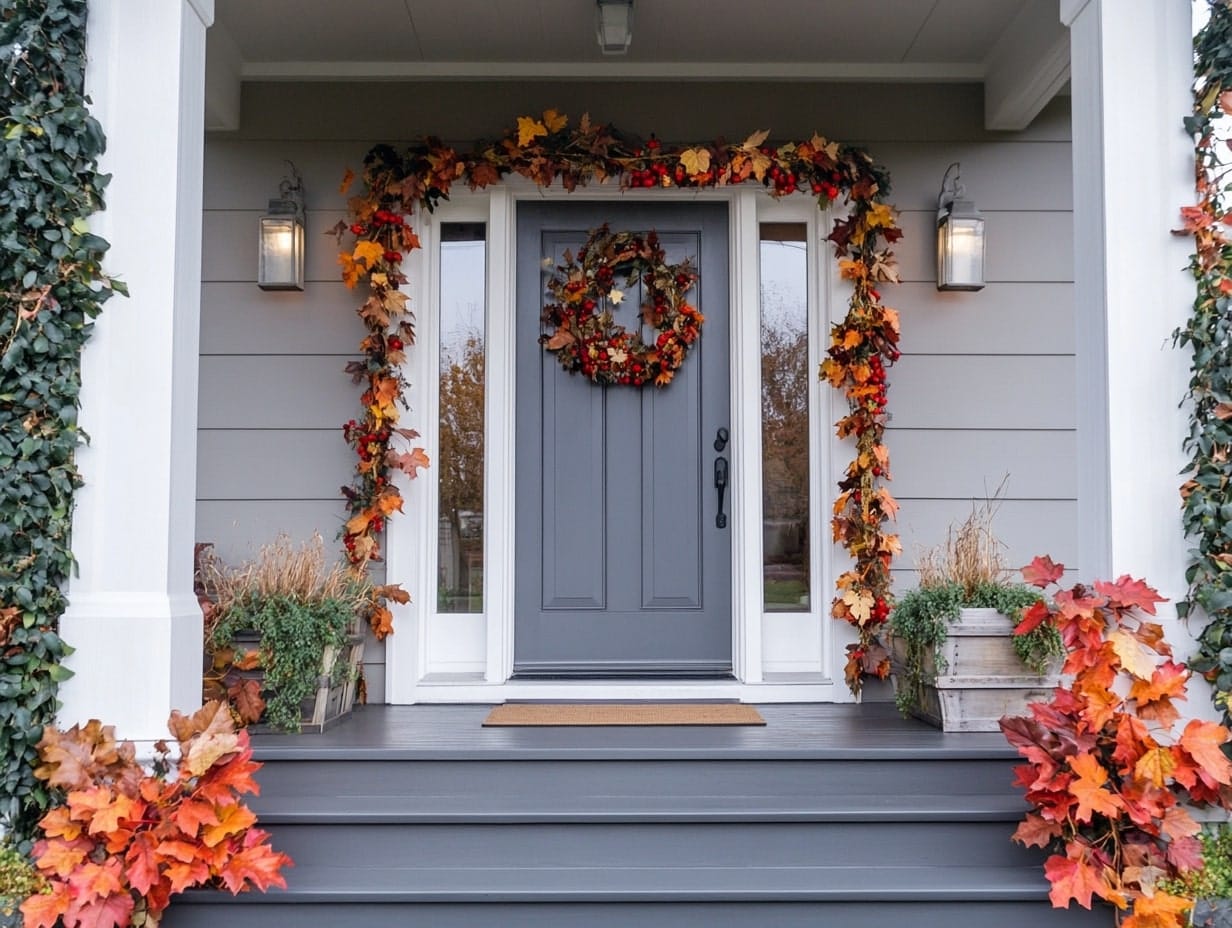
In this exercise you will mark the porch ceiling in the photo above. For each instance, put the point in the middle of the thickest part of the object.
(1014, 47)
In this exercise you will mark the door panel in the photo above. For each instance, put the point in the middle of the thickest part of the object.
(621, 568)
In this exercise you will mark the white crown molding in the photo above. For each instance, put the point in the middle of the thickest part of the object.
(605, 70)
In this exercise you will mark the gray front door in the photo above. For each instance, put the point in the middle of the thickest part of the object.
(622, 568)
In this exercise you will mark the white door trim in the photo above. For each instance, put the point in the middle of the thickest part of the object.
(469, 658)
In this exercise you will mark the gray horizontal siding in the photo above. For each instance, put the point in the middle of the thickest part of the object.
(985, 387)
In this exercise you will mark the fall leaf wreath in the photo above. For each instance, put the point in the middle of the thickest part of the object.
(579, 319)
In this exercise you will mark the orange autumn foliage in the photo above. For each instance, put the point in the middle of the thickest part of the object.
(1109, 779)
(125, 841)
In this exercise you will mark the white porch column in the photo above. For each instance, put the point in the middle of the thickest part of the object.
(1131, 67)
(132, 615)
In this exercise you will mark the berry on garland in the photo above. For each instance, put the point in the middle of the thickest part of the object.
(578, 319)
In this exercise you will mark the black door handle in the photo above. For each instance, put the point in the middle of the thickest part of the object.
(720, 484)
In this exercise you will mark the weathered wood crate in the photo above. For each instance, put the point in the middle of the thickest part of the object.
(976, 677)
(333, 702)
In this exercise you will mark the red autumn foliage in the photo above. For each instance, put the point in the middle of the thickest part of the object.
(1108, 776)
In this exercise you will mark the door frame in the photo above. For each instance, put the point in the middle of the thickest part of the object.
(469, 658)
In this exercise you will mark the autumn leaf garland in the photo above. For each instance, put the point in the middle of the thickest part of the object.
(548, 149)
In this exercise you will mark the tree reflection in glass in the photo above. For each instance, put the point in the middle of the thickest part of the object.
(459, 464)
(785, 389)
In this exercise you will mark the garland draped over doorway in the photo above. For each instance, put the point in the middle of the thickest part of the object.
(546, 149)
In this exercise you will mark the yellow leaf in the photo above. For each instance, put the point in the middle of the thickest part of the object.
(367, 252)
(1133, 657)
(753, 142)
(529, 129)
(819, 143)
(880, 215)
(554, 121)
(347, 179)
(860, 603)
(1155, 765)
(695, 160)
(852, 339)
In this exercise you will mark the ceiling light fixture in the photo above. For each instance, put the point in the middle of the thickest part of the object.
(614, 26)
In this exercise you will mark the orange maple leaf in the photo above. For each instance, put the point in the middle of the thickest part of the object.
(1089, 790)
(232, 819)
(62, 857)
(411, 463)
(43, 910)
(367, 252)
(1203, 741)
(1073, 878)
(258, 865)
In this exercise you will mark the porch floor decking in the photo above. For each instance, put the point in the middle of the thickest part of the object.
(792, 731)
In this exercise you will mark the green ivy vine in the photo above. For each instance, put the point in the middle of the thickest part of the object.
(51, 286)
(1207, 510)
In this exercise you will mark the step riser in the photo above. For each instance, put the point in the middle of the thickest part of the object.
(877, 914)
(735, 845)
(567, 778)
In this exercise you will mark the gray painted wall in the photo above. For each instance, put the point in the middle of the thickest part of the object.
(985, 387)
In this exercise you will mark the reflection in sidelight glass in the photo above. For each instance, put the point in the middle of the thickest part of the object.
(459, 464)
(785, 388)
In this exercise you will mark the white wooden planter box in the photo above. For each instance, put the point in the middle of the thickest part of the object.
(978, 678)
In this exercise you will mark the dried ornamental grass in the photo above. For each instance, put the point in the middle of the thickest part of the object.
(971, 557)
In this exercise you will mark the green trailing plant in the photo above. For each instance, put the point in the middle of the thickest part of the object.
(1213, 880)
(297, 607)
(1207, 508)
(18, 880)
(52, 286)
(922, 618)
(966, 572)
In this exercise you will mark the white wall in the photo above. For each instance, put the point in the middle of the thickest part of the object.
(985, 387)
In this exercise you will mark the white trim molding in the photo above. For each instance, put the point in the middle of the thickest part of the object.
(461, 658)
(1132, 67)
(132, 605)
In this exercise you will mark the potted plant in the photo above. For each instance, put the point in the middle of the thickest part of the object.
(956, 662)
(282, 635)
(1111, 770)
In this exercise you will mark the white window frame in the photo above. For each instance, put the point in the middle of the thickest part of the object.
(796, 657)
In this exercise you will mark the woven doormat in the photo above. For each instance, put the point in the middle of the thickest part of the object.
(610, 713)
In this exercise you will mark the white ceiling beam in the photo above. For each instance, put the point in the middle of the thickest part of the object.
(223, 80)
(926, 72)
(1026, 68)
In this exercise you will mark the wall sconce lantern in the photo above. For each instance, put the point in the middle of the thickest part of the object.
(960, 236)
(614, 26)
(280, 263)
